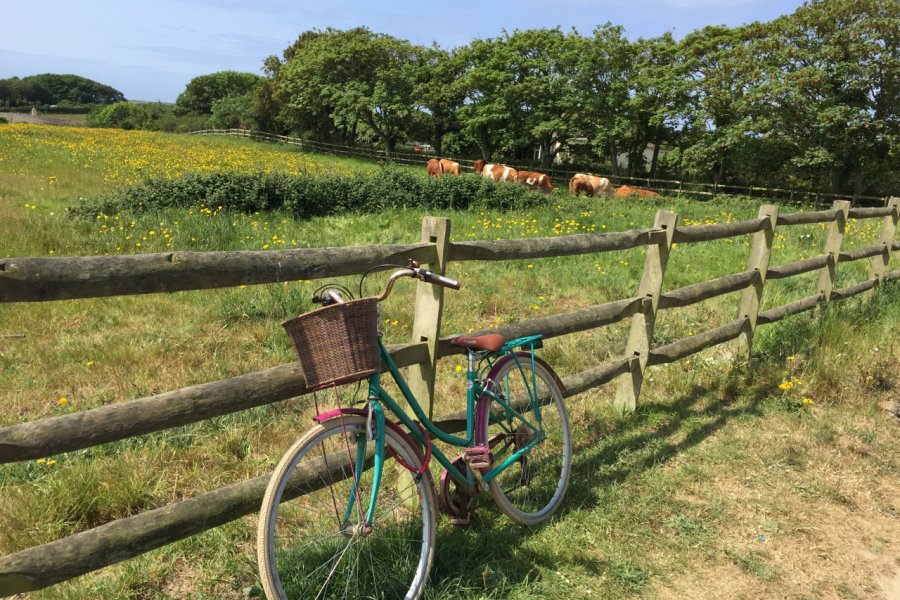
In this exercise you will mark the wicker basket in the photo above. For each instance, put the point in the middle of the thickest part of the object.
(337, 344)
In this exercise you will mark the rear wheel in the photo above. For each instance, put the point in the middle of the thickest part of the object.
(313, 541)
(533, 485)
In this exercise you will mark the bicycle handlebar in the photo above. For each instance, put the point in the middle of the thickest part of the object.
(333, 296)
(429, 277)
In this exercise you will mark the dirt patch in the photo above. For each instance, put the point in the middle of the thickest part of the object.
(890, 586)
(806, 515)
(42, 119)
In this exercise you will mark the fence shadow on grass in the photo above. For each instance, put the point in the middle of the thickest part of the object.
(494, 555)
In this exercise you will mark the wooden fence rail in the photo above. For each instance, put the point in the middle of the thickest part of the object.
(43, 279)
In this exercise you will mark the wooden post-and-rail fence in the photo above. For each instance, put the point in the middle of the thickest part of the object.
(46, 279)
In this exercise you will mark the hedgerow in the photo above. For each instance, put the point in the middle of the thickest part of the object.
(311, 195)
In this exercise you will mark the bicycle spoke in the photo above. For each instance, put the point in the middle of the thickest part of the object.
(314, 554)
(530, 488)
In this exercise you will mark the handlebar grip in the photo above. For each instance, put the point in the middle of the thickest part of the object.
(440, 280)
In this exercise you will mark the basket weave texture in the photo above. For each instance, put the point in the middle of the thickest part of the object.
(337, 344)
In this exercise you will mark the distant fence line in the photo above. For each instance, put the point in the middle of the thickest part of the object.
(48, 279)
(670, 186)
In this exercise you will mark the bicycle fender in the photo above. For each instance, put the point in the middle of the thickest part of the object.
(360, 412)
(484, 401)
(526, 356)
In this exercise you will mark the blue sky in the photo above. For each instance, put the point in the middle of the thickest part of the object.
(150, 50)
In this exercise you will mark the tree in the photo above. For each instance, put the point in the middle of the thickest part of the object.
(717, 77)
(519, 92)
(200, 93)
(439, 91)
(657, 97)
(51, 89)
(602, 90)
(353, 77)
(542, 95)
(829, 85)
(485, 114)
(233, 112)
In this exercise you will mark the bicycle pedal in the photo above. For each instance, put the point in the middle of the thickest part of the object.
(462, 521)
(478, 458)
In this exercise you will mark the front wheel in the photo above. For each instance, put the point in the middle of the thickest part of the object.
(313, 540)
(527, 428)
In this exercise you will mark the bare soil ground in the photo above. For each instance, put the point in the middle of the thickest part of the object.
(43, 119)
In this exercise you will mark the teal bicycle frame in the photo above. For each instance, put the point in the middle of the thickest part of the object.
(474, 390)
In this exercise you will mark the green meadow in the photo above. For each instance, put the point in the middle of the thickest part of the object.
(766, 478)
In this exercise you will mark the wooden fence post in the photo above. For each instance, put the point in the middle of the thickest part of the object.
(429, 308)
(642, 323)
(888, 232)
(832, 249)
(760, 250)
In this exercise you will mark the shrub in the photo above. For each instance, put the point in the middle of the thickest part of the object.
(310, 195)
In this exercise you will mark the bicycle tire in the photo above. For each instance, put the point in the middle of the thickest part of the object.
(530, 489)
(303, 549)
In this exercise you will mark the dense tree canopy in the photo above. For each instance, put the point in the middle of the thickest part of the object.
(203, 91)
(809, 100)
(350, 83)
(49, 89)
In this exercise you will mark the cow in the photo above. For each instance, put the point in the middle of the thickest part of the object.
(535, 181)
(449, 167)
(434, 167)
(590, 185)
(440, 166)
(627, 190)
(499, 172)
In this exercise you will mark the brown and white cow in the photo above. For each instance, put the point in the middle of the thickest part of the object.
(499, 172)
(438, 167)
(449, 167)
(627, 190)
(535, 181)
(582, 183)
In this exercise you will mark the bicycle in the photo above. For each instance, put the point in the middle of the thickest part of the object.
(350, 508)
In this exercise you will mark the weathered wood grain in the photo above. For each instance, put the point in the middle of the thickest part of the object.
(860, 253)
(691, 294)
(63, 278)
(803, 218)
(696, 343)
(776, 314)
(870, 213)
(705, 233)
(852, 290)
(797, 267)
(569, 245)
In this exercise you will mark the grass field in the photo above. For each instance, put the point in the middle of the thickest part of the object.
(779, 478)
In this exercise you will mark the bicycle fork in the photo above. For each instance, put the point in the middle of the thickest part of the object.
(365, 526)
